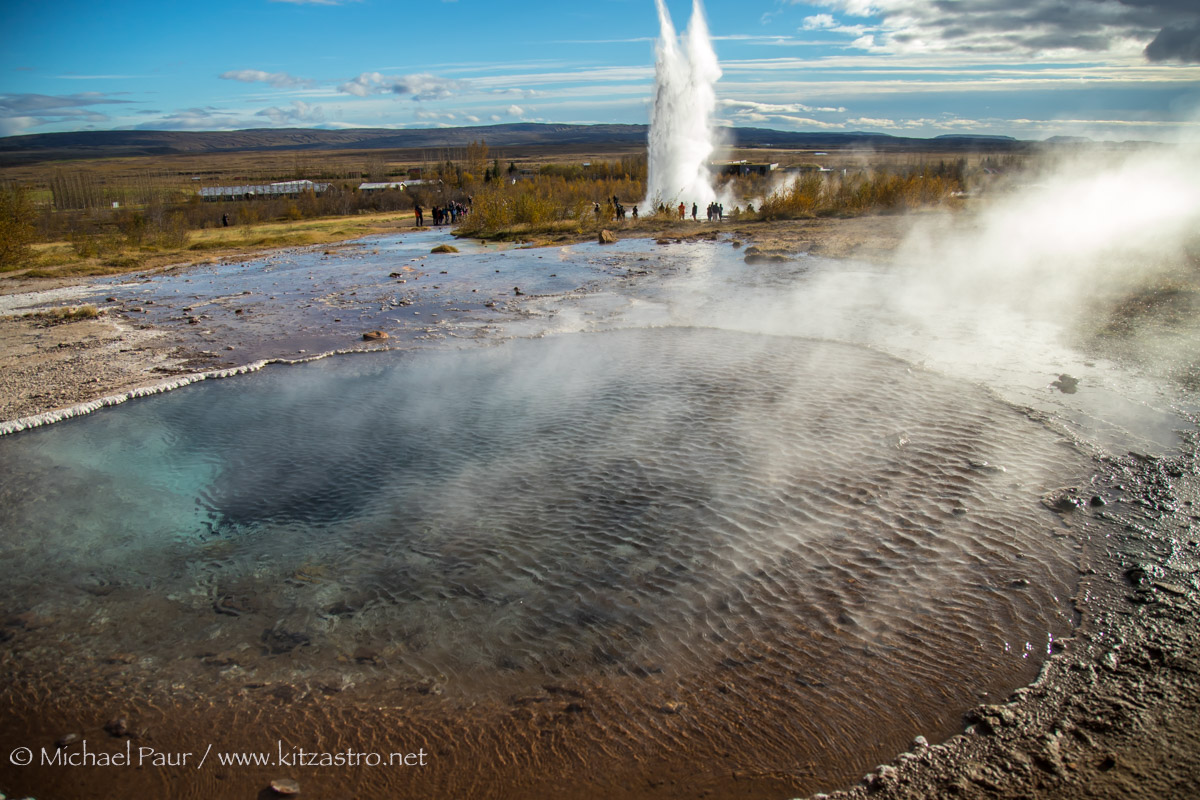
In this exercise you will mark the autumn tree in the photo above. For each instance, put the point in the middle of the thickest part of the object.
(477, 154)
(16, 226)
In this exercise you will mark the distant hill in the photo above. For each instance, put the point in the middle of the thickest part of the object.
(106, 144)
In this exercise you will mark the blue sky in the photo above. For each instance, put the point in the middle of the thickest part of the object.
(1110, 69)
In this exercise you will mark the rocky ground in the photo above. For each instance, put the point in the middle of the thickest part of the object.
(47, 364)
(1115, 712)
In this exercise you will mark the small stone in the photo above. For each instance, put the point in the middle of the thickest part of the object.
(366, 655)
(880, 778)
(224, 659)
(444, 248)
(66, 741)
(607, 237)
(118, 727)
(671, 707)
(28, 621)
(285, 786)
(517, 291)
(1171, 588)
(371, 335)
(1062, 500)
(1066, 384)
(1098, 501)
(920, 742)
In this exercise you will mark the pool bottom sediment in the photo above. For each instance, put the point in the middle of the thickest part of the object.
(637, 563)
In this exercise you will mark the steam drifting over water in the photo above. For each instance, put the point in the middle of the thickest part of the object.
(682, 139)
(644, 527)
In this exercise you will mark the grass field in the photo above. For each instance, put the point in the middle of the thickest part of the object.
(59, 259)
(159, 222)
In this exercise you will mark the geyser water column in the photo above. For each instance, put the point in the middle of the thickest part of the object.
(682, 139)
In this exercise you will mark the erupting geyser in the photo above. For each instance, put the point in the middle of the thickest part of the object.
(681, 130)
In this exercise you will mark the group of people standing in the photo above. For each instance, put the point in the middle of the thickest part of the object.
(450, 213)
(716, 211)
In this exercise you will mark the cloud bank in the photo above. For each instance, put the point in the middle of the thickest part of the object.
(1167, 30)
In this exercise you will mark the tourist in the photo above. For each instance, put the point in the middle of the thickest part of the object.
(682, 210)
(695, 212)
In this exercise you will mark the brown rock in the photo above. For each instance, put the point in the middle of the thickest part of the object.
(370, 335)
(606, 237)
(285, 786)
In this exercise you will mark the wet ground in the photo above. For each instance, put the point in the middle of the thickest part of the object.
(676, 734)
(309, 302)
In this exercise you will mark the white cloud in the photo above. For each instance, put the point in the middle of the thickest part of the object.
(750, 106)
(280, 80)
(871, 122)
(826, 22)
(15, 126)
(516, 111)
(196, 119)
(444, 116)
(300, 112)
(421, 86)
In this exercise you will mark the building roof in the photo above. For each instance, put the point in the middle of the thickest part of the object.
(384, 185)
(283, 187)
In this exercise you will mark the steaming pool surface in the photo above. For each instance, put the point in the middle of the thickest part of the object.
(681, 551)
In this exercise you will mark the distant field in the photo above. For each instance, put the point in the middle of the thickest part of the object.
(98, 203)
(185, 173)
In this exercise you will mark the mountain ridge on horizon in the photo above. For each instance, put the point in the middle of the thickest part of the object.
(71, 145)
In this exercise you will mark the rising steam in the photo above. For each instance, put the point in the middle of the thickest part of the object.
(682, 138)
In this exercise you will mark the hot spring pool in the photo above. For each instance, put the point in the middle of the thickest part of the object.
(705, 551)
